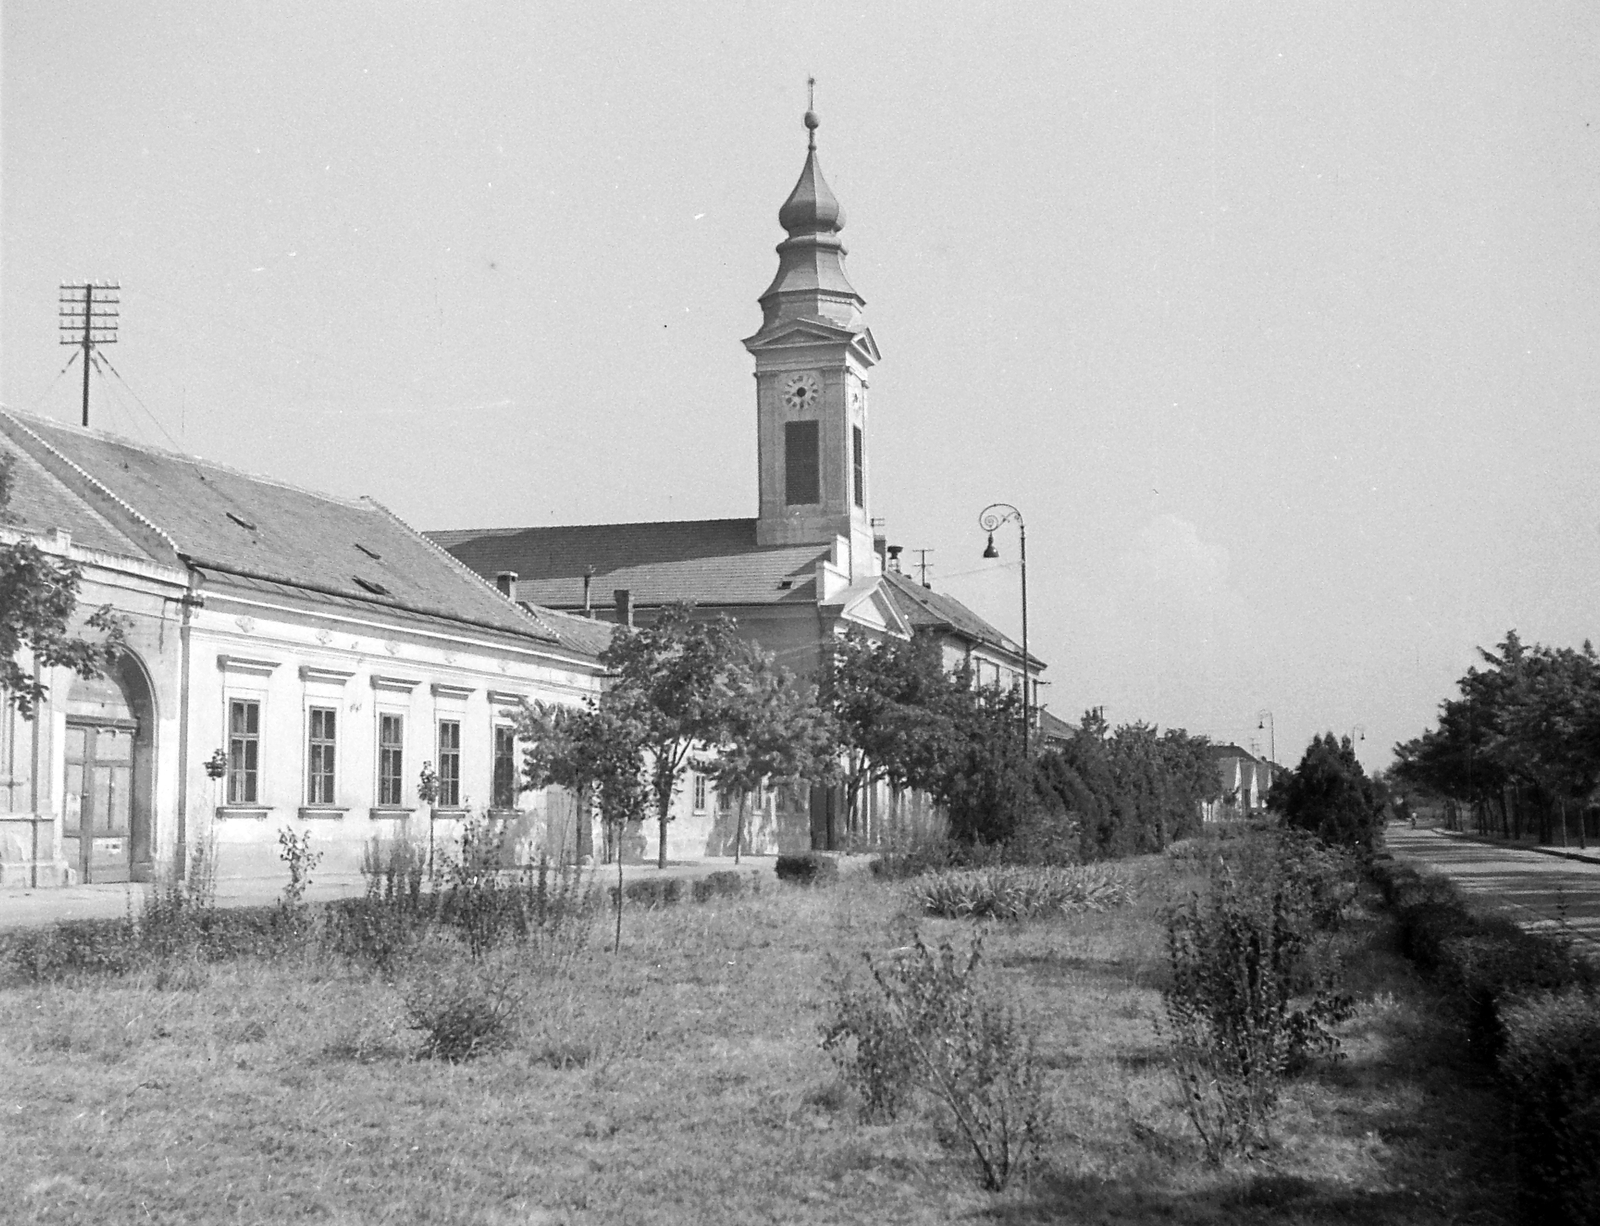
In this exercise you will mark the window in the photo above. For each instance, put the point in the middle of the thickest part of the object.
(320, 757)
(859, 455)
(699, 793)
(391, 759)
(801, 469)
(505, 768)
(449, 763)
(244, 750)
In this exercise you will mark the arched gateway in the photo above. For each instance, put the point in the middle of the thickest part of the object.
(106, 832)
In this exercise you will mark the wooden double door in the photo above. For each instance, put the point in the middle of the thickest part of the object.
(99, 828)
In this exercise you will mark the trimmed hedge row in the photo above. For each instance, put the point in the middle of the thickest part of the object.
(810, 868)
(118, 946)
(1533, 1010)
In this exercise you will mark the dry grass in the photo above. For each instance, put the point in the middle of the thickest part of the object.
(684, 1082)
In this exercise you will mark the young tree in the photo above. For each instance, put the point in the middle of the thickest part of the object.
(38, 594)
(1331, 796)
(890, 706)
(773, 733)
(677, 679)
(596, 751)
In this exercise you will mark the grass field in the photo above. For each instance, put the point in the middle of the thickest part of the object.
(683, 1082)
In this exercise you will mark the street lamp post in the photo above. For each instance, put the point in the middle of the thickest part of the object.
(1265, 722)
(994, 516)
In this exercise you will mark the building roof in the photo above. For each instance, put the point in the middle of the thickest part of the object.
(255, 528)
(711, 561)
(1231, 751)
(925, 608)
(41, 503)
(1053, 728)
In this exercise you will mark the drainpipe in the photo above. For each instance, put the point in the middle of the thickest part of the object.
(191, 600)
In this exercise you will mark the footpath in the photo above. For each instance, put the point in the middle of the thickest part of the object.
(1540, 890)
(24, 908)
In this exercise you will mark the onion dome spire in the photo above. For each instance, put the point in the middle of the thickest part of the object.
(811, 280)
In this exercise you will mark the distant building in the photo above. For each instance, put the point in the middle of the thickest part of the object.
(316, 650)
(1245, 781)
(809, 566)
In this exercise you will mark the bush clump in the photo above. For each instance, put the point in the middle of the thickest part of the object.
(1010, 892)
(1251, 999)
(463, 1009)
(809, 868)
(652, 892)
(931, 1026)
(1551, 1067)
(725, 883)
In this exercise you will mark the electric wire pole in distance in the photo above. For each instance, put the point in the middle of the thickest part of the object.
(89, 314)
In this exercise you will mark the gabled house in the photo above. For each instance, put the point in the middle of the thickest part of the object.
(1245, 781)
(809, 566)
(294, 661)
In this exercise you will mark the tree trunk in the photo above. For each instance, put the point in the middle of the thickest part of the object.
(738, 827)
(616, 947)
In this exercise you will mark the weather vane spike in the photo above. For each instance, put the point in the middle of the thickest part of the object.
(811, 113)
(811, 93)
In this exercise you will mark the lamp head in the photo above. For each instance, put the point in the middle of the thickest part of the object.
(989, 550)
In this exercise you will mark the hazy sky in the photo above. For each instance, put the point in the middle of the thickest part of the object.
(1278, 321)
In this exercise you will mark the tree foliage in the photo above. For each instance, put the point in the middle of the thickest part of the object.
(679, 680)
(1528, 720)
(1132, 789)
(38, 595)
(1331, 796)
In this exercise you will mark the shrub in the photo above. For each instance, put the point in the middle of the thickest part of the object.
(462, 1009)
(1014, 893)
(871, 1046)
(66, 947)
(974, 1052)
(809, 868)
(1233, 1034)
(722, 884)
(1551, 1071)
(652, 891)
(928, 1026)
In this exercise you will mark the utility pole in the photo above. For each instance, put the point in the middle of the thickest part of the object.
(88, 311)
(922, 564)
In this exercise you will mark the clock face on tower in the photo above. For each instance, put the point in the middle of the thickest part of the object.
(802, 391)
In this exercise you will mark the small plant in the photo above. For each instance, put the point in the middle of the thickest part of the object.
(931, 1027)
(463, 1010)
(722, 884)
(295, 851)
(1011, 892)
(176, 915)
(653, 892)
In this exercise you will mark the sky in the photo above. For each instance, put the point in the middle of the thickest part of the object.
(1277, 321)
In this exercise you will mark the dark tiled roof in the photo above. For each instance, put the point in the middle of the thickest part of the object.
(1053, 728)
(711, 561)
(579, 633)
(223, 520)
(925, 608)
(41, 503)
(1230, 751)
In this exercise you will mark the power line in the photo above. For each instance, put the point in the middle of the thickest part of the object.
(140, 402)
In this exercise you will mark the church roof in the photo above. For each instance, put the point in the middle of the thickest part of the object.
(184, 509)
(710, 561)
(925, 608)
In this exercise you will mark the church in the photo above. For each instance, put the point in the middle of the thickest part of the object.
(809, 566)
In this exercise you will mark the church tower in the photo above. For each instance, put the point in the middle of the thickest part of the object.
(812, 356)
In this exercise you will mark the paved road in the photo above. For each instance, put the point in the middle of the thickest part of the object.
(1532, 887)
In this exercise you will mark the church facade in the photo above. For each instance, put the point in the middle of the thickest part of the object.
(808, 567)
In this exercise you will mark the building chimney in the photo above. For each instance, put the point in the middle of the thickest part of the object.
(894, 557)
(588, 576)
(880, 546)
(624, 606)
(506, 583)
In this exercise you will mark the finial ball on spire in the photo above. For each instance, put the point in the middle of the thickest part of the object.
(812, 121)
